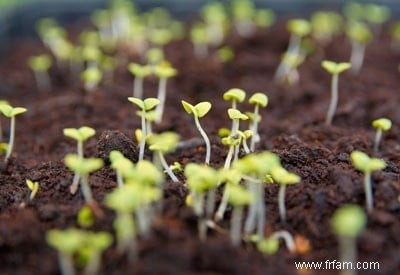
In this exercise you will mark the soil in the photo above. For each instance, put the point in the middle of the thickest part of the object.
(292, 126)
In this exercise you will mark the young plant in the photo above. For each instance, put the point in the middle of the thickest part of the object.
(33, 187)
(145, 106)
(381, 125)
(202, 182)
(199, 38)
(200, 110)
(83, 167)
(122, 166)
(225, 54)
(140, 72)
(270, 245)
(235, 96)
(234, 139)
(80, 135)
(67, 242)
(367, 165)
(258, 100)
(162, 144)
(2, 102)
(347, 223)
(163, 71)
(85, 217)
(91, 78)
(239, 197)
(11, 112)
(243, 12)
(216, 19)
(325, 26)
(283, 178)
(291, 61)
(360, 36)
(334, 69)
(40, 66)
(376, 16)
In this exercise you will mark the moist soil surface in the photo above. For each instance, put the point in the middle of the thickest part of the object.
(292, 126)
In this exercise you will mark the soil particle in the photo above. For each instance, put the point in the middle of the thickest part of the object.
(116, 140)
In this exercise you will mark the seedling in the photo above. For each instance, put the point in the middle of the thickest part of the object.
(162, 144)
(291, 61)
(92, 55)
(334, 69)
(83, 167)
(145, 106)
(360, 36)
(258, 100)
(80, 135)
(199, 38)
(347, 223)
(367, 165)
(95, 244)
(325, 26)
(108, 65)
(270, 245)
(33, 187)
(91, 78)
(243, 12)
(234, 139)
(225, 54)
(215, 17)
(264, 18)
(122, 165)
(163, 71)
(235, 96)
(40, 66)
(154, 56)
(238, 197)
(376, 15)
(11, 112)
(139, 72)
(381, 125)
(200, 110)
(85, 217)
(283, 178)
(2, 102)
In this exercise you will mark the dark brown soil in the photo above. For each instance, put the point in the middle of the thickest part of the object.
(292, 126)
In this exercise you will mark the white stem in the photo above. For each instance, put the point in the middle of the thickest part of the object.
(120, 180)
(281, 202)
(166, 167)
(219, 215)
(162, 93)
(143, 138)
(1, 131)
(287, 238)
(229, 157)
(11, 140)
(143, 220)
(85, 188)
(334, 99)
(254, 128)
(66, 264)
(236, 224)
(347, 253)
(357, 57)
(148, 127)
(250, 223)
(369, 200)
(206, 140)
(42, 80)
(92, 267)
(293, 48)
(378, 138)
(210, 203)
(260, 211)
(138, 87)
(75, 183)
(245, 147)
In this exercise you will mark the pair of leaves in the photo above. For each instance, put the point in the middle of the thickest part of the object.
(81, 165)
(10, 111)
(81, 134)
(335, 68)
(146, 104)
(199, 110)
(365, 164)
(235, 94)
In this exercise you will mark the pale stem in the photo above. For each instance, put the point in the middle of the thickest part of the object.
(149, 128)
(206, 139)
(1, 131)
(200, 50)
(236, 153)
(369, 200)
(245, 147)
(357, 57)
(198, 206)
(66, 264)
(75, 182)
(144, 135)
(281, 202)
(223, 204)
(234, 106)
(229, 157)
(254, 128)
(11, 141)
(347, 253)
(378, 138)
(245, 28)
(252, 212)
(138, 87)
(210, 203)
(334, 99)
(120, 180)
(166, 167)
(93, 265)
(236, 224)
(260, 211)
(162, 93)
(42, 80)
(143, 219)
(90, 86)
(287, 238)
(293, 48)
(79, 149)
(85, 188)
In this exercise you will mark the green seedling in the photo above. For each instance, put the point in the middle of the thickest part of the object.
(154, 56)
(243, 12)
(3, 148)
(11, 112)
(264, 18)
(122, 165)
(225, 54)
(80, 135)
(354, 11)
(95, 244)
(33, 187)
(108, 65)
(258, 100)
(67, 242)
(244, 136)
(200, 110)
(85, 217)
(334, 69)
(381, 125)
(367, 165)
(40, 66)
(376, 16)
(283, 178)
(176, 167)
(325, 26)
(160, 37)
(162, 144)
(291, 61)
(163, 71)
(360, 36)
(235, 96)
(199, 38)
(202, 182)
(83, 167)
(239, 197)
(91, 78)
(270, 245)
(348, 222)
(234, 139)
(145, 106)
(2, 102)
(216, 19)
(92, 55)
(140, 72)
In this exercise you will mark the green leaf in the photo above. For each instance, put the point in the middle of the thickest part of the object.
(85, 217)
(201, 178)
(268, 246)
(189, 108)
(282, 176)
(349, 221)
(299, 27)
(238, 195)
(138, 70)
(383, 124)
(359, 32)
(92, 74)
(83, 166)
(236, 114)
(165, 142)
(259, 99)
(364, 163)
(66, 241)
(137, 101)
(165, 70)
(335, 68)
(40, 63)
(235, 94)
(10, 112)
(150, 103)
(81, 134)
(98, 241)
(202, 108)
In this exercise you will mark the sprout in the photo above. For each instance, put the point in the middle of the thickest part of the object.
(92, 55)
(83, 167)
(360, 36)
(33, 187)
(367, 165)
(40, 66)
(270, 245)
(122, 165)
(264, 18)
(200, 110)
(85, 217)
(162, 144)
(154, 56)
(199, 38)
(163, 71)
(11, 112)
(225, 54)
(108, 65)
(283, 178)
(91, 78)
(2, 102)
(325, 25)
(145, 106)
(334, 69)
(381, 125)
(233, 140)
(80, 135)
(94, 245)
(67, 242)
(347, 223)
(354, 11)
(139, 72)
(201, 180)
(243, 12)
(215, 17)
(376, 15)
(238, 197)
(258, 100)
(234, 95)
(160, 37)
(291, 61)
